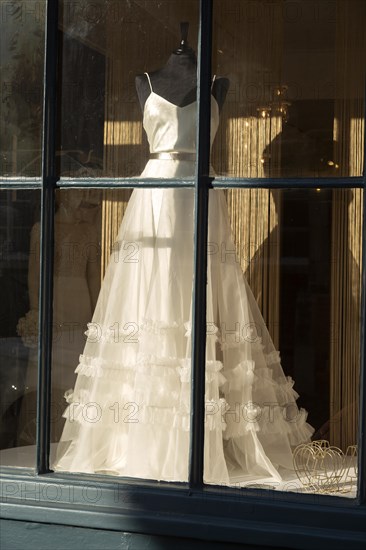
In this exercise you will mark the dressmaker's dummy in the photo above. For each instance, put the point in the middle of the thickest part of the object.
(177, 80)
(155, 294)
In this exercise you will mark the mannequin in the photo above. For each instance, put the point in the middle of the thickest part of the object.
(153, 293)
(177, 80)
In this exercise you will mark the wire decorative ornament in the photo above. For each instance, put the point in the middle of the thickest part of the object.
(323, 468)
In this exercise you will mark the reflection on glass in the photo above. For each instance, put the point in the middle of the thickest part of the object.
(128, 411)
(303, 265)
(294, 108)
(106, 97)
(76, 282)
(18, 328)
(21, 60)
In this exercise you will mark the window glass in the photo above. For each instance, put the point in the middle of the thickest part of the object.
(113, 117)
(284, 266)
(294, 83)
(285, 420)
(121, 353)
(21, 61)
(18, 325)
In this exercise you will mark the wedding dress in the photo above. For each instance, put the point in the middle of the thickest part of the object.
(129, 413)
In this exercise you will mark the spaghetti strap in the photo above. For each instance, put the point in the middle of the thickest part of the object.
(213, 81)
(147, 74)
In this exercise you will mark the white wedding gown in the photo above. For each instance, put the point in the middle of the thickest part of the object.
(129, 413)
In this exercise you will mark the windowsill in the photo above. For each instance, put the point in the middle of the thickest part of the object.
(228, 514)
(24, 457)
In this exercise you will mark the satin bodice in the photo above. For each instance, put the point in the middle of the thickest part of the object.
(172, 128)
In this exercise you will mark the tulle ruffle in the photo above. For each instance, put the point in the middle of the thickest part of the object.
(130, 410)
(270, 417)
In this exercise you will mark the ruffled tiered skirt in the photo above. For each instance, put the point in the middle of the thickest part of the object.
(129, 413)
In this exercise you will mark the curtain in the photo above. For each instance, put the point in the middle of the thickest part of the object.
(347, 224)
(248, 49)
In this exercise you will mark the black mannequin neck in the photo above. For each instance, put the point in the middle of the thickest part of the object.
(177, 82)
(186, 60)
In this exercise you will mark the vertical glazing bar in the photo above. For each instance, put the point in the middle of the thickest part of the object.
(200, 251)
(362, 421)
(47, 231)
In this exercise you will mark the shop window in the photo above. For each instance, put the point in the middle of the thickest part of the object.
(283, 258)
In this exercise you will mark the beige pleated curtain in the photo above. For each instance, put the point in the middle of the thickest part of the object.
(347, 224)
(246, 144)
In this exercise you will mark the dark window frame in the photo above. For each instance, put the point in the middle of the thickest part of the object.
(193, 509)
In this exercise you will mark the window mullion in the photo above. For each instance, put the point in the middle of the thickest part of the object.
(362, 411)
(202, 185)
(47, 235)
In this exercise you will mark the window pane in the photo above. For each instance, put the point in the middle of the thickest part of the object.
(295, 105)
(19, 271)
(123, 275)
(110, 114)
(300, 253)
(21, 61)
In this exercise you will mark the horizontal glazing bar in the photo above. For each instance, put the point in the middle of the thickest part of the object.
(25, 183)
(125, 182)
(278, 183)
(289, 183)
